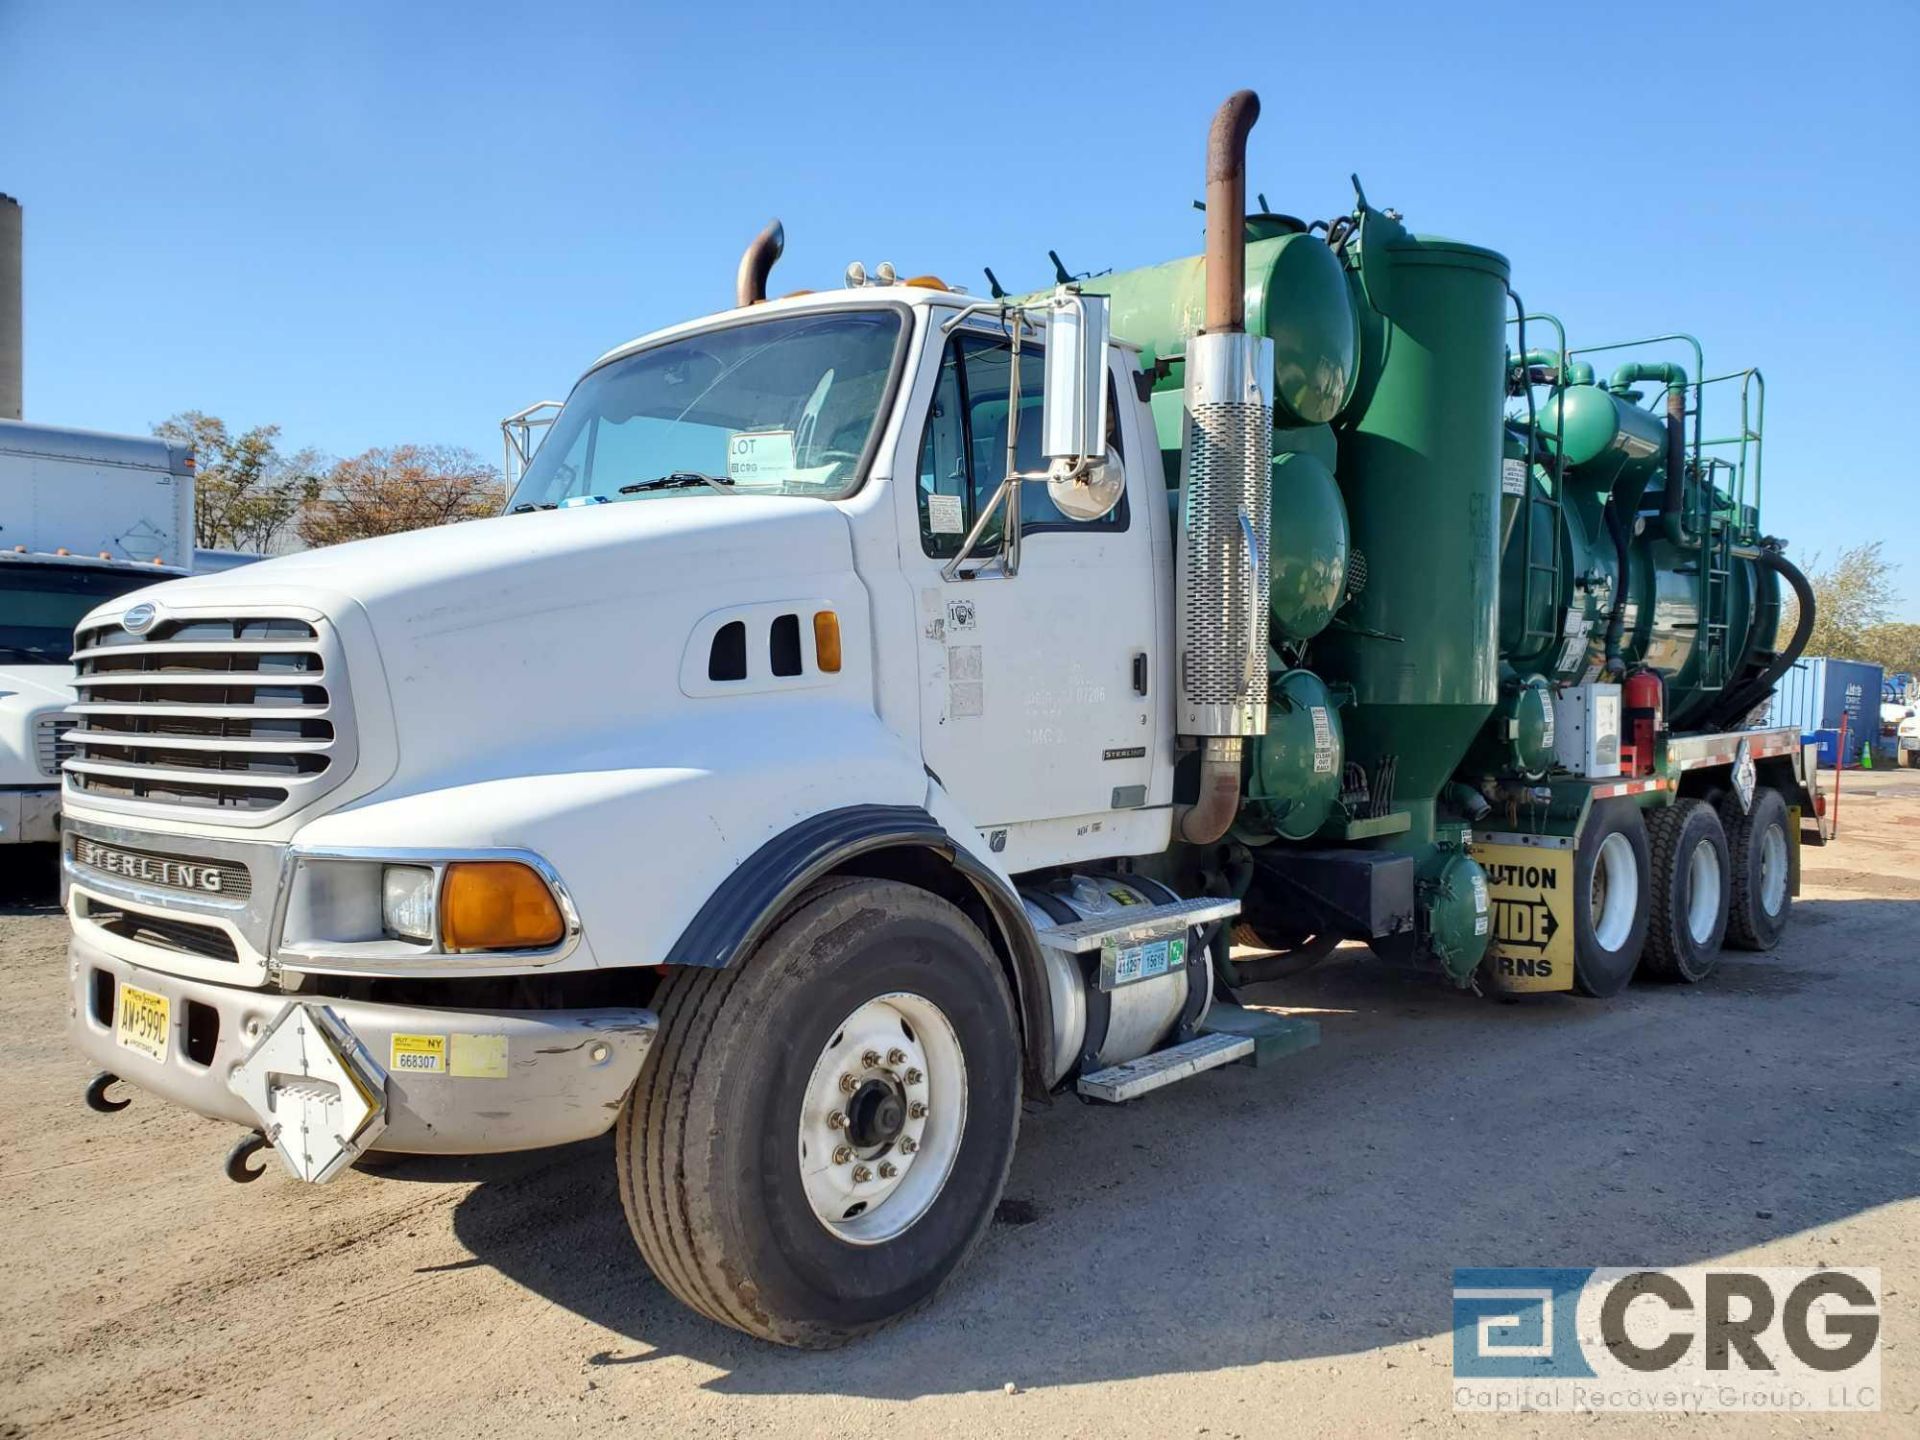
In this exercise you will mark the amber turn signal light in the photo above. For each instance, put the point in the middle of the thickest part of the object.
(498, 905)
(826, 640)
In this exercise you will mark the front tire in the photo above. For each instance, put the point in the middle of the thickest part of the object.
(764, 1190)
(1760, 859)
(1690, 868)
(1610, 887)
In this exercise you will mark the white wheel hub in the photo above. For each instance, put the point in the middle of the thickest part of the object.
(1773, 869)
(1615, 896)
(1704, 889)
(882, 1118)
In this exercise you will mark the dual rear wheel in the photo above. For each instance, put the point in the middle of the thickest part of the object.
(1661, 892)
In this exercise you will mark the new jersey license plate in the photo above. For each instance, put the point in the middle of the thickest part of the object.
(140, 1022)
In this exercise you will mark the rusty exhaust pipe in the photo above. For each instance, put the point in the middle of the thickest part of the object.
(1223, 565)
(1227, 212)
(750, 288)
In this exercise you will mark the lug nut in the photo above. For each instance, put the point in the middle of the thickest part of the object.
(914, 1077)
(896, 1058)
(917, 1110)
(836, 1121)
(861, 1174)
(908, 1144)
(871, 1059)
(888, 1170)
(842, 1154)
(848, 1084)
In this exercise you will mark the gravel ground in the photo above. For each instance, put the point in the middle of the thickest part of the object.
(1255, 1253)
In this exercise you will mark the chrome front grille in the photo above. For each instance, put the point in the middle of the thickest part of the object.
(51, 747)
(241, 715)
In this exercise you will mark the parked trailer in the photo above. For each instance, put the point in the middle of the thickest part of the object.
(84, 517)
(841, 739)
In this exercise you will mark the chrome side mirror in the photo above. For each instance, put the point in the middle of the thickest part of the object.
(1082, 479)
(1073, 418)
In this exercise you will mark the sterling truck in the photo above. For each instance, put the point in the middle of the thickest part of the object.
(881, 706)
(84, 517)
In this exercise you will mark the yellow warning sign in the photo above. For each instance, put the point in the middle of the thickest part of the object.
(1532, 894)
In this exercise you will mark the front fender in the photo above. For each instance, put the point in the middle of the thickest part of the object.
(642, 845)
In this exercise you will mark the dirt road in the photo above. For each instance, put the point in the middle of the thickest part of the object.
(1256, 1253)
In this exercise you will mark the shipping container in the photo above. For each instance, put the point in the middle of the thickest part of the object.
(1817, 691)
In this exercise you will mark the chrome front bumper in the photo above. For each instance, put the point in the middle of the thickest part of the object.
(531, 1077)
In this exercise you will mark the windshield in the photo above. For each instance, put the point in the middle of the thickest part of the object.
(781, 406)
(40, 605)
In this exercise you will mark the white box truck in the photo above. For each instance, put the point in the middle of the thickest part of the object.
(84, 517)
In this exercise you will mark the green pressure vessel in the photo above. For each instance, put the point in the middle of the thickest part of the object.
(1294, 784)
(1420, 465)
(1296, 296)
(1612, 445)
(1309, 547)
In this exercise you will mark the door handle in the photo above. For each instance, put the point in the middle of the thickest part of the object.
(1140, 672)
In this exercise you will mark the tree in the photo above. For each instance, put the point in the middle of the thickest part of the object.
(402, 487)
(1894, 646)
(245, 492)
(1852, 597)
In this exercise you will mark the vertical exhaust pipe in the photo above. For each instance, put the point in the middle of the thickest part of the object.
(750, 285)
(1223, 561)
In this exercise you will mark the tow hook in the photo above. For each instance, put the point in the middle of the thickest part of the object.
(244, 1149)
(97, 1094)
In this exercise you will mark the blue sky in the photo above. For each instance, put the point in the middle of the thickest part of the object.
(381, 223)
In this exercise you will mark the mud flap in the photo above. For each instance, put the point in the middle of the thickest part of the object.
(1531, 887)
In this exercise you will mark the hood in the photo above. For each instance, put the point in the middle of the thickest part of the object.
(36, 687)
(26, 693)
(498, 637)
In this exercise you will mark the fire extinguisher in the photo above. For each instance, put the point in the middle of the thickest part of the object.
(1643, 705)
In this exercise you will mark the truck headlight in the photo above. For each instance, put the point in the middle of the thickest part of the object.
(351, 911)
(406, 901)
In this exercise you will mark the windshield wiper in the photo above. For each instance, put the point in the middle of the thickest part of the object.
(681, 480)
(528, 507)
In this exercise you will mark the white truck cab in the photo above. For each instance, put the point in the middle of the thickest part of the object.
(397, 845)
(84, 517)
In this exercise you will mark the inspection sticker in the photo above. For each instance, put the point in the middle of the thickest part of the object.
(1513, 477)
(419, 1055)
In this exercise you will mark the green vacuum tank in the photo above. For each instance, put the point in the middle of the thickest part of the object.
(1420, 455)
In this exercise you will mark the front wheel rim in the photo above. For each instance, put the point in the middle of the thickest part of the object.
(882, 1118)
(1773, 870)
(1704, 889)
(1615, 894)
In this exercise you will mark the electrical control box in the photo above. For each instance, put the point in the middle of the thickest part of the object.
(1586, 730)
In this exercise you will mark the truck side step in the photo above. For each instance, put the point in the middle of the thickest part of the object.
(1137, 926)
(1165, 1067)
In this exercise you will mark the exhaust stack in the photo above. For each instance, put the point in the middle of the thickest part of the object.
(750, 285)
(1223, 559)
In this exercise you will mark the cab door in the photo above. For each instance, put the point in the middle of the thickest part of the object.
(1040, 692)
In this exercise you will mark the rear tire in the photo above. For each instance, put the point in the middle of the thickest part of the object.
(1691, 870)
(734, 1183)
(1910, 759)
(1760, 860)
(1610, 886)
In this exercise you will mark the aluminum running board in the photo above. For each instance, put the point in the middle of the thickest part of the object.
(1132, 925)
(1165, 1067)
